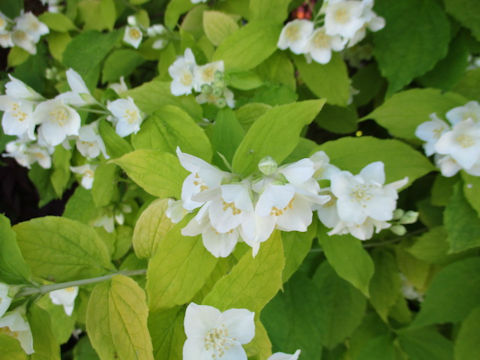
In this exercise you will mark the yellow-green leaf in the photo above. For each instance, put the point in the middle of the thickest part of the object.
(217, 26)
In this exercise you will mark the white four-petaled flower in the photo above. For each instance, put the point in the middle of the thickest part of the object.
(87, 172)
(65, 297)
(133, 36)
(126, 116)
(182, 73)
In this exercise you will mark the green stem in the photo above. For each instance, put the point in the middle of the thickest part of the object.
(26, 291)
(94, 111)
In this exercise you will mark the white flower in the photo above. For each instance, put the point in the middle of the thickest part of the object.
(89, 143)
(17, 117)
(213, 335)
(133, 36)
(31, 25)
(3, 22)
(198, 1)
(119, 87)
(105, 221)
(470, 110)
(203, 176)
(283, 356)
(295, 35)
(362, 231)
(155, 30)
(26, 154)
(175, 211)
(431, 131)
(181, 72)
(320, 45)
(409, 291)
(127, 116)
(87, 172)
(205, 74)
(57, 120)
(65, 297)
(159, 44)
(13, 324)
(80, 95)
(6, 39)
(343, 18)
(462, 143)
(23, 40)
(5, 300)
(17, 89)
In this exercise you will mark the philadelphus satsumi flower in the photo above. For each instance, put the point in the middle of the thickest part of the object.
(5, 299)
(27, 153)
(181, 72)
(456, 146)
(283, 356)
(345, 25)
(89, 142)
(65, 297)
(79, 94)
(87, 172)
(127, 117)
(14, 324)
(133, 36)
(215, 335)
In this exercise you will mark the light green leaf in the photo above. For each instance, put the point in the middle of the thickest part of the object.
(117, 320)
(348, 258)
(418, 33)
(171, 127)
(336, 119)
(153, 95)
(121, 63)
(227, 134)
(60, 249)
(281, 125)
(260, 347)
(467, 12)
(11, 348)
(466, 345)
(57, 22)
(245, 80)
(254, 281)
(13, 269)
(175, 9)
(151, 228)
(61, 170)
(158, 173)
(425, 344)
(57, 43)
(80, 206)
(296, 246)
(62, 325)
(97, 14)
(115, 145)
(405, 111)
(249, 46)
(249, 113)
(102, 189)
(461, 278)
(381, 347)
(400, 160)
(278, 69)
(468, 85)
(168, 336)
(17, 56)
(218, 26)
(179, 268)
(274, 10)
(471, 190)
(328, 81)
(44, 342)
(462, 223)
(432, 247)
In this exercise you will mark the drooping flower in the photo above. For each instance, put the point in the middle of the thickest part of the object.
(470, 110)
(79, 94)
(431, 131)
(89, 143)
(14, 324)
(17, 89)
(5, 299)
(26, 153)
(448, 166)
(343, 18)
(175, 211)
(205, 74)
(295, 36)
(3, 22)
(182, 73)
(119, 87)
(87, 172)
(283, 356)
(6, 39)
(30, 24)
(17, 117)
(320, 45)
(65, 297)
(126, 116)
(133, 36)
(21, 39)
(213, 335)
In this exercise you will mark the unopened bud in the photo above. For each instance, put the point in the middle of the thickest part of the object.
(217, 92)
(218, 75)
(267, 166)
(159, 44)
(131, 20)
(397, 214)
(399, 230)
(206, 89)
(409, 217)
(221, 103)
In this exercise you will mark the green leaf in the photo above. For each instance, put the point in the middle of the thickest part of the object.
(442, 190)
(61, 170)
(471, 190)
(348, 258)
(425, 344)
(328, 81)
(41, 179)
(84, 351)
(117, 320)
(175, 9)
(273, 10)
(296, 246)
(466, 345)
(245, 80)
(153, 95)
(115, 145)
(179, 268)
(249, 113)
(168, 336)
(260, 347)
(102, 189)
(218, 26)
(227, 134)
(385, 283)
(17, 56)
(11, 348)
(171, 127)
(57, 43)
(293, 318)
(253, 281)
(249, 46)
(158, 173)
(62, 325)
(467, 13)
(44, 342)
(415, 38)
(281, 125)
(336, 119)
(381, 347)
(121, 63)
(98, 14)
(57, 21)
(468, 85)
(368, 81)
(13, 269)
(405, 111)
(371, 328)
(80, 206)
(462, 223)
(88, 49)
(278, 69)
(462, 278)
(274, 94)
(432, 247)
(400, 160)
(151, 228)
(11, 8)
(60, 249)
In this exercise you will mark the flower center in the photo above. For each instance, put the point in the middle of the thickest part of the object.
(20, 35)
(60, 115)
(438, 132)
(2, 23)
(321, 40)
(70, 289)
(217, 341)
(6, 330)
(186, 78)
(465, 141)
(292, 33)
(135, 34)
(362, 194)
(39, 155)
(277, 212)
(231, 205)
(199, 182)
(341, 15)
(208, 74)
(18, 114)
(131, 115)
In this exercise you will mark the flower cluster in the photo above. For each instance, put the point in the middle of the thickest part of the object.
(24, 31)
(41, 124)
(208, 80)
(283, 198)
(343, 24)
(134, 33)
(455, 146)
(216, 335)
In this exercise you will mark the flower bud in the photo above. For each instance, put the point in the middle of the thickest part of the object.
(409, 217)
(218, 75)
(217, 92)
(206, 89)
(131, 20)
(267, 165)
(397, 214)
(221, 103)
(399, 230)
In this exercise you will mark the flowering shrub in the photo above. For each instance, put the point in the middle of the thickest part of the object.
(242, 179)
